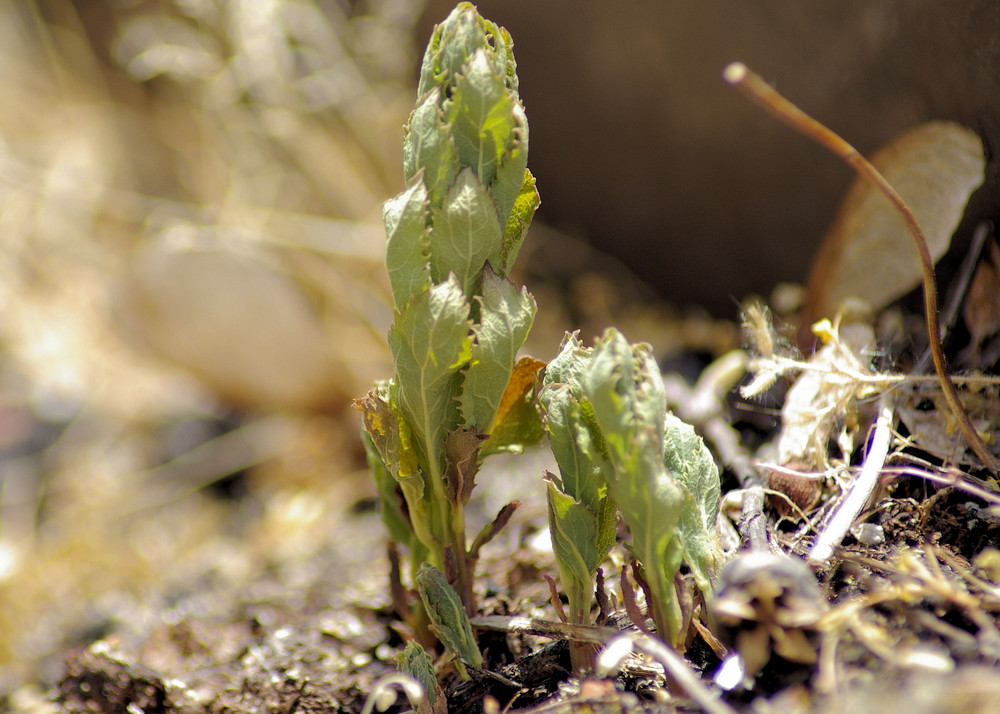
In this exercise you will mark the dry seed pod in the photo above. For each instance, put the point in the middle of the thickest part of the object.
(768, 604)
(801, 490)
(868, 253)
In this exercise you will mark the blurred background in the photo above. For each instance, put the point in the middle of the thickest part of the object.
(642, 150)
(191, 291)
(191, 286)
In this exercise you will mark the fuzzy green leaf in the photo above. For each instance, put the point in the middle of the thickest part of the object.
(444, 608)
(579, 459)
(466, 233)
(510, 178)
(505, 318)
(429, 146)
(390, 439)
(574, 529)
(430, 76)
(573, 437)
(660, 575)
(607, 524)
(415, 662)
(504, 46)
(570, 365)
(690, 461)
(463, 32)
(652, 502)
(625, 387)
(452, 42)
(430, 343)
(407, 244)
(393, 516)
(525, 204)
(610, 386)
(625, 390)
(480, 112)
(582, 516)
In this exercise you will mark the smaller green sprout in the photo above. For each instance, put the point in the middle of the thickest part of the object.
(416, 663)
(610, 402)
(450, 623)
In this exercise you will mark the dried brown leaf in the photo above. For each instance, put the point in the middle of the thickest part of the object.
(868, 252)
(981, 310)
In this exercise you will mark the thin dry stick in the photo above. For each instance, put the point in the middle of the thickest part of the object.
(959, 287)
(753, 524)
(753, 86)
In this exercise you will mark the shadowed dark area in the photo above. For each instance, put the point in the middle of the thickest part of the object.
(643, 150)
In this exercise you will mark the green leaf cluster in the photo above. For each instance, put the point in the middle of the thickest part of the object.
(582, 514)
(605, 411)
(689, 460)
(451, 239)
(458, 392)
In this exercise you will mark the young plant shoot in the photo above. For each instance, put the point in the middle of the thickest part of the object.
(457, 393)
(582, 515)
(606, 413)
(452, 236)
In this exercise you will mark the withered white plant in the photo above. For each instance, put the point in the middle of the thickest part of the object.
(821, 403)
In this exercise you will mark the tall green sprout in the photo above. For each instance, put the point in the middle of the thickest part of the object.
(451, 239)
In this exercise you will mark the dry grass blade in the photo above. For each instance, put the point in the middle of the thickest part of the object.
(860, 492)
(753, 86)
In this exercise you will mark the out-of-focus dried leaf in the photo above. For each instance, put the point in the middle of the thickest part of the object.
(932, 427)
(981, 310)
(869, 253)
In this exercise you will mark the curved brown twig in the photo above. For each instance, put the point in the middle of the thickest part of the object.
(754, 87)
